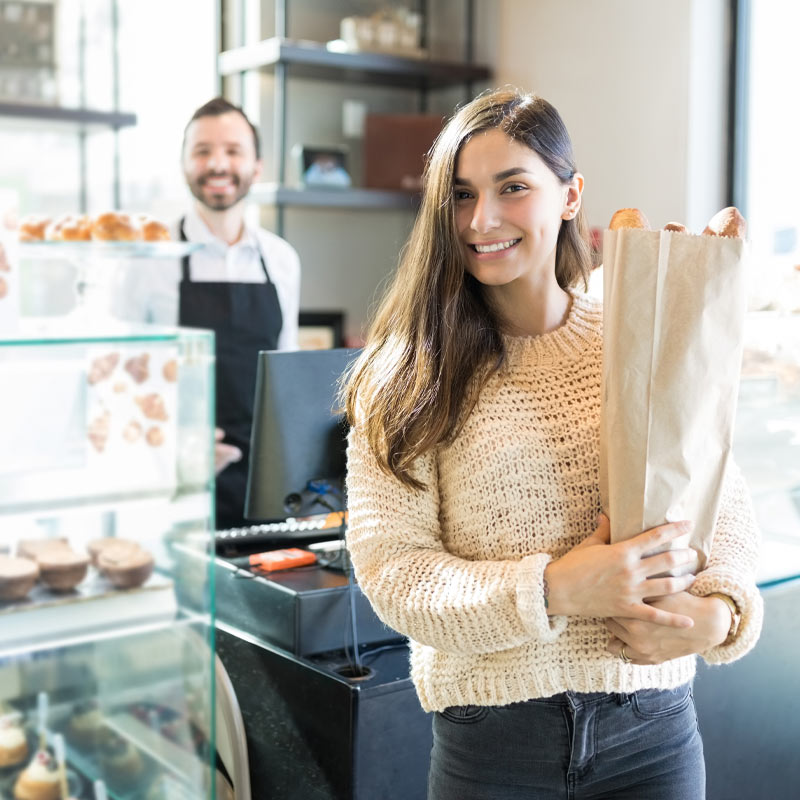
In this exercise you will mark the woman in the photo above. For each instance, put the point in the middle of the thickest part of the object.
(473, 495)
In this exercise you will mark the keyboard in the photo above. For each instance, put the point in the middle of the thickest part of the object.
(289, 529)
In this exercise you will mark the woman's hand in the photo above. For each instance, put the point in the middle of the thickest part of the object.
(646, 643)
(598, 579)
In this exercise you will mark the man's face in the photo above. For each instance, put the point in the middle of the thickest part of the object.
(219, 160)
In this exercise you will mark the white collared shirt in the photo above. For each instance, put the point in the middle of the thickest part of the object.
(148, 289)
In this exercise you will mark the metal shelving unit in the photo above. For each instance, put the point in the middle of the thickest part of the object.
(284, 57)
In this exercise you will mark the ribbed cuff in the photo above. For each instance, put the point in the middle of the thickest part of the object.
(748, 601)
(530, 599)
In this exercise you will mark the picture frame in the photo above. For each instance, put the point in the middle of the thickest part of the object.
(322, 167)
(321, 330)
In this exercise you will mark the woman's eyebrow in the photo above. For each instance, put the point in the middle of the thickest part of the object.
(500, 176)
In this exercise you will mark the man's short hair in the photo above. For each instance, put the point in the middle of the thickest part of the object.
(217, 107)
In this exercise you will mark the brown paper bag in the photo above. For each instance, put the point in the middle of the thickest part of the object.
(674, 307)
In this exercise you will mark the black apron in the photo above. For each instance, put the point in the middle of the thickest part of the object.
(245, 318)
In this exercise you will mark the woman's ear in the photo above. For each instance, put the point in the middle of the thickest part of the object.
(572, 202)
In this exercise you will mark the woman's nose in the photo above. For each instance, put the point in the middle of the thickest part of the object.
(484, 216)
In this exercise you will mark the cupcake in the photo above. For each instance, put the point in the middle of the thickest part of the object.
(17, 577)
(62, 569)
(84, 725)
(97, 546)
(13, 743)
(125, 567)
(31, 548)
(39, 780)
(121, 762)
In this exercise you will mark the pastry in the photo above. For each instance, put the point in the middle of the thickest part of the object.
(4, 265)
(32, 228)
(17, 577)
(97, 546)
(153, 230)
(138, 368)
(154, 436)
(3, 288)
(98, 431)
(152, 406)
(170, 371)
(116, 226)
(728, 222)
(30, 548)
(39, 780)
(62, 569)
(69, 228)
(132, 432)
(102, 367)
(13, 742)
(628, 218)
(84, 725)
(675, 226)
(126, 568)
(120, 761)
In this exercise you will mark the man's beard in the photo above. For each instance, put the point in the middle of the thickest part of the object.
(220, 202)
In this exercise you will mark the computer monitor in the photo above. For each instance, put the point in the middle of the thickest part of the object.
(298, 441)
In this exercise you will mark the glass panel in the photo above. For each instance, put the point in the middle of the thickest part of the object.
(134, 712)
(106, 591)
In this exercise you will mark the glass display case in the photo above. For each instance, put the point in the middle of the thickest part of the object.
(106, 593)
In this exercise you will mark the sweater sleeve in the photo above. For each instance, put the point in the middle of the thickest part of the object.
(732, 565)
(420, 589)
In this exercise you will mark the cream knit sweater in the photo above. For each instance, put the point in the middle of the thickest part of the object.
(458, 567)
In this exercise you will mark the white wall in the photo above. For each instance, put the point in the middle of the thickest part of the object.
(641, 85)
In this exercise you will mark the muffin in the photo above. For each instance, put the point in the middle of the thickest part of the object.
(120, 761)
(17, 577)
(30, 548)
(13, 742)
(126, 568)
(97, 546)
(84, 725)
(62, 569)
(39, 780)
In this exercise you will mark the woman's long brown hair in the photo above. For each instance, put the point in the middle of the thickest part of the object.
(435, 340)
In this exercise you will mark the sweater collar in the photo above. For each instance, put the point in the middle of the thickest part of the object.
(568, 342)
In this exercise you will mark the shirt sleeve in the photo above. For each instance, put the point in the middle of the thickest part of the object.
(420, 589)
(732, 565)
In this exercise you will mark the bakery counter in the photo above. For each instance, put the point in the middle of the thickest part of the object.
(133, 712)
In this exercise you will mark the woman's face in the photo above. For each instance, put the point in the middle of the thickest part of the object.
(509, 208)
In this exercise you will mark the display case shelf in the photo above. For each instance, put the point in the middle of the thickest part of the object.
(315, 61)
(106, 251)
(47, 619)
(81, 117)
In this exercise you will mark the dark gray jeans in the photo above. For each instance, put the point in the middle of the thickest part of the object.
(640, 746)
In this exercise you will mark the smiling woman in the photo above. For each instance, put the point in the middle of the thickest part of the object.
(473, 494)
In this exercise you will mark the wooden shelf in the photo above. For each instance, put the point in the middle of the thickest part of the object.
(73, 116)
(315, 61)
(274, 195)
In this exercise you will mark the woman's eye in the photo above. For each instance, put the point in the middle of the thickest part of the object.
(514, 187)
(462, 194)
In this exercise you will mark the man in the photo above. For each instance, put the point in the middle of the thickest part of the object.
(244, 284)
